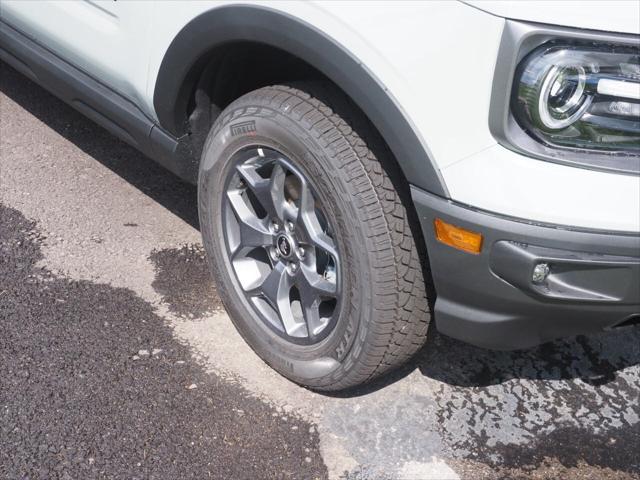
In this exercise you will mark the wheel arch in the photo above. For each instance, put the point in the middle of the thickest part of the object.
(178, 74)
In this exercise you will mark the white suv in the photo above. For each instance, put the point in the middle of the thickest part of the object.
(364, 167)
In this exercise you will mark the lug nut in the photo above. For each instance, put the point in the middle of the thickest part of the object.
(289, 226)
(293, 267)
(301, 252)
(275, 225)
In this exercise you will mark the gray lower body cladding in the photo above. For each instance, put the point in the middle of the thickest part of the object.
(491, 300)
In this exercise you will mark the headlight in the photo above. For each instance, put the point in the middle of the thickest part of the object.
(580, 97)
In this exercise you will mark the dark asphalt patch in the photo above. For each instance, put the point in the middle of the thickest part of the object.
(545, 388)
(93, 385)
(572, 447)
(184, 281)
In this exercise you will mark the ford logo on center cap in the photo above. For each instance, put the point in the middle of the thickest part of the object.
(284, 246)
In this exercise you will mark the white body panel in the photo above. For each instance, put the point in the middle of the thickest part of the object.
(436, 59)
(502, 181)
(610, 16)
(107, 39)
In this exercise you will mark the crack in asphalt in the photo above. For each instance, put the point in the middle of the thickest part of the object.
(94, 385)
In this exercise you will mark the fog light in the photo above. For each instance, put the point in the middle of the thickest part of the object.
(540, 272)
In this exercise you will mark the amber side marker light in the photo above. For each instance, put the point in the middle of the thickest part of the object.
(457, 237)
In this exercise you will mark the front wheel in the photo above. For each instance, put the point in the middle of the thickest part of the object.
(308, 240)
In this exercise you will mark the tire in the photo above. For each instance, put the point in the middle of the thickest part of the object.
(380, 315)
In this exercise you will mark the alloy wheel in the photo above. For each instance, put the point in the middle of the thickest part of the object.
(281, 246)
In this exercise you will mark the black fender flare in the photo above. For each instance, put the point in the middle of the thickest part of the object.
(226, 24)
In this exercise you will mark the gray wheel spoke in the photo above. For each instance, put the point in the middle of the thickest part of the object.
(275, 289)
(313, 288)
(314, 285)
(274, 285)
(308, 219)
(277, 179)
(254, 232)
(326, 243)
(268, 191)
(313, 321)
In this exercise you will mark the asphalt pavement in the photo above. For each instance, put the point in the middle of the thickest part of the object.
(117, 359)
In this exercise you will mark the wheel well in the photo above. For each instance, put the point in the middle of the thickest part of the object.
(226, 73)
(247, 29)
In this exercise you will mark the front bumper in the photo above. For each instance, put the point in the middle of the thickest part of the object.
(490, 299)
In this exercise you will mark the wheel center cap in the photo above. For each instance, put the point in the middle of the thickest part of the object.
(284, 246)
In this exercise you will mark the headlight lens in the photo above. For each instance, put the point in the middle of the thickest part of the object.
(582, 97)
